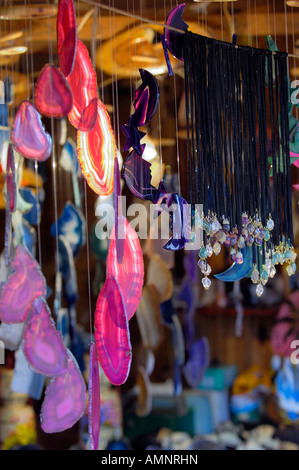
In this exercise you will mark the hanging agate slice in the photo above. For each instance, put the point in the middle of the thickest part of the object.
(129, 273)
(28, 135)
(180, 234)
(146, 100)
(71, 224)
(94, 399)
(83, 83)
(96, 153)
(22, 287)
(137, 174)
(238, 271)
(198, 362)
(174, 39)
(112, 333)
(66, 36)
(52, 94)
(42, 343)
(65, 399)
(159, 275)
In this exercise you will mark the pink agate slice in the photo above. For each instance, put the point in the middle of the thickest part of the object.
(52, 94)
(295, 186)
(112, 333)
(65, 399)
(66, 35)
(94, 405)
(130, 272)
(42, 343)
(28, 135)
(83, 83)
(22, 287)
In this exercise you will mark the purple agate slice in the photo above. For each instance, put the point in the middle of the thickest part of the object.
(180, 236)
(112, 333)
(66, 35)
(28, 135)
(22, 287)
(198, 362)
(137, 174)
(42, 343)
(145, 101)
(94, 404)
(52, 94)
(174, 39)
(65, 399)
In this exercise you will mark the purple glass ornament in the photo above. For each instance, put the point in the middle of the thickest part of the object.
(146, 100)
(65, 399)
(250, 240)
(66, 35)
(174, 39)
(258, 241)
(198, 362)
(233, 239)
(137, 174)
(22, 287)
(11, 187)
(94, 399)
(28, 135)
(52, 94)
(112, 333)
(42, 343)
(129, 273)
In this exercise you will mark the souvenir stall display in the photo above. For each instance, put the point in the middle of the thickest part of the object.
(149, 204)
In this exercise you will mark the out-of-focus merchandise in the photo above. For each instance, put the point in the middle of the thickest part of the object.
(248, 394)
(17, 419)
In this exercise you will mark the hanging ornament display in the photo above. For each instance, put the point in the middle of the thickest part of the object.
(227, 159)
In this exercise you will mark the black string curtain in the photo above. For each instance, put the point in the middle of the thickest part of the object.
(237, 116)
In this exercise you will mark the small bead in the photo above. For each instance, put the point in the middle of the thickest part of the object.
(270, 224)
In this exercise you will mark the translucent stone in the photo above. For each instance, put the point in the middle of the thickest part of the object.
(232, 251)
(258, 241)
(287, 254)
(222, 236)
(239, 258)
(206, 282)
(293, 256)
(268, 264)
(241, 242)
(276, 258)
(290, 270)
(209, 250)
(281, 259)
(233, 239)
(259, 290)
(255, 276)
(294, 267)
(250, 240)
(215, 226)
(267, 235)
(250, 228)
(262, 233)
(272, 271)
(201, 263)
(244, 219)
(203, 253)
(265, 275)
(216, 248)
(206, 270)
(256, 232)
(270, 224)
